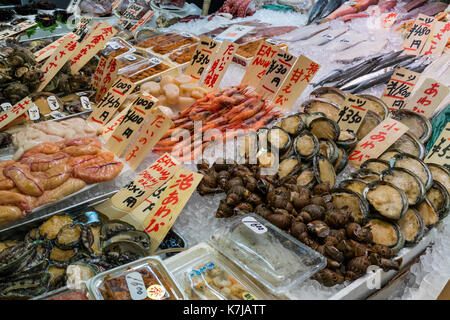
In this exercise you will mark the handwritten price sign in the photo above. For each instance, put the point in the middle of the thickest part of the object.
(428, 97)
(440, 152)
(399, 88)
(352, 113)
(260, 63)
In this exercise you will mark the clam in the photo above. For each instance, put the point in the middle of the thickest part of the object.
(331, 94)
(386, 233)
(306, 145)
(412, 227)
(324, 128)
(330, 109)
(418, 125)
(406, 181)
(386, 200)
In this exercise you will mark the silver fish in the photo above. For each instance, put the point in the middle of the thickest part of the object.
(316, 10)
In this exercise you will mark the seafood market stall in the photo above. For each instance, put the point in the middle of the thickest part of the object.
(258, 150)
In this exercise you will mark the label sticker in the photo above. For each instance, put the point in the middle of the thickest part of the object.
(254, 225)
(248, 296)
(399, 88)
(440, 151)
(33, 113)
(85, 103)
(156, 292)
(53, 103)
(234, 32)
(203, 55)
(6, 106)
(136, 286)
(57, 114)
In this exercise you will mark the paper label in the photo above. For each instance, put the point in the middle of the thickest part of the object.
(53, 103)
(399, 88)
(150, 134)
(112, 125)
(12, 30)
(130, 16)
(48, 50)
(296, 82)
(203, 55)
(145, 183)
(6, 106)
(108, 77)
(274, 77)
(173, 199)
(377, 141)
(352, 114)
(388, 19)
(248, 296)
(91, 45)
(141, 211)
(98, 74)
(156, 292)
(57, 115)
(417, 36)
(234, 32)
(147, 16)
(109, 104)
(17, 110)
(82, 25)
(57, 60)
(219, 65)
(136, 286)
(260, 63)
(438, 38)
(427, 97)
(33, 113)
(254, 225)
(85, 103)
(139, 111)
(116, 3)
(440, 151)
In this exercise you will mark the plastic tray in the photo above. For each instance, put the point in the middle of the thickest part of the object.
(166, 43)
(128, 60)
(272, 257)
(146, 70)
(133, 286)
(116, 48)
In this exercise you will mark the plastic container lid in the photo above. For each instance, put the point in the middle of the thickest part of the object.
(117, 47)
(272, 257)
(204, 274)
(143, 279)
(128, 60)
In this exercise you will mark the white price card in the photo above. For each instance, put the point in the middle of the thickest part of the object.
(234, 32)
(85, 103)
(53, 103)
(254, 225)
(136, 286)
(6, 106)
(33, 112)
(57, 114)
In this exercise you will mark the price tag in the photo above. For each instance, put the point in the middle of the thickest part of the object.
(440, 151)
(260, 63)
(142, 20)
(15, 112)
(136, 286)
(108, 77)
(438, 39)
(48, 50)
(57, 115)
(399, 88)
(377, 141)
(116, 3)
(418, 34)
(161, 218)
(12, 30)
(92, 43)
(53, 103)
(141, 211)
(81, 26)
(388, 19)
(130, 15)
(109, 104)
(99, 73)
(234, 32)
(274, 77)
(352, 114)
(203, 55)
(427, 97)
(130, 57)
(296, 82)
(156, 292)
(138, 113)
(254, 225)
(219, 65)
(150, 134)
(148, 181)
(112, 125)
(6, 106)
(33, 113)
(155, 61)
(85, 103)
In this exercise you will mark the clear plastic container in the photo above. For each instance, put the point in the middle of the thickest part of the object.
(272, 257)
(183, 55)
(143, 279)
(144, 70)
(166, 43)
(117, 47)
(204, 274)
(128, 60)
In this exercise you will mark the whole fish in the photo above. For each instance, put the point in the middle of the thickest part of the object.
(303, 33)
(351, 7)
(414, 4)
(316, 10)
(330, 7)
(363, 70)
(324, 37)
(393, 61)
(386, 5)
(429, 9)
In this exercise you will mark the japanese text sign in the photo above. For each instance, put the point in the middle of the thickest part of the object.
(352, 113)
(82, 25)
(219, 65)
(150, 134)
(172, 201)
(399, 88)
(377, 141)
(427, 97)
(438, 39)
(57, 60)
(203, 55)
(16, 111)
(388, 19)
(109, 104)
(141, 211)
(417, 36)
(108, 76)
(274, 77)
(112, 125)
(139, 111)
(142, 20)
(116, 3)
(130, 14)
(48, 50)
(440, 151)
(260, 63)
(99, 73)
(296, 82)
(234, 32)
(145, 183)
(91, 45)
(12, 30)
